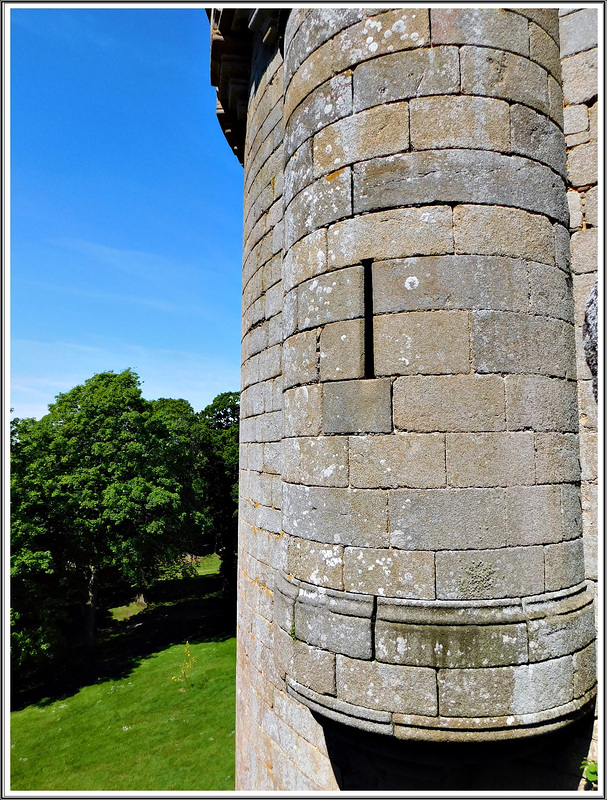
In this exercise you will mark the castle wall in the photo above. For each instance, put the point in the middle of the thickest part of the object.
(411, 556)
(278, 744)
(579, 58)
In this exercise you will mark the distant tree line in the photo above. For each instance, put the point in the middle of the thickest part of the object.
(111, 489)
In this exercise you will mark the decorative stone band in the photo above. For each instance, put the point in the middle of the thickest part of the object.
(496, 669)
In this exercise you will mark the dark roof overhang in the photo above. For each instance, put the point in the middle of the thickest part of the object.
(232, 32)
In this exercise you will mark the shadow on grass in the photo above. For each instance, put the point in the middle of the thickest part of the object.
(188, 609)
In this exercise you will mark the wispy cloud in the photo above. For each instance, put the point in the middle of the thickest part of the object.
(149, 302)
(75, 27)
(48, 368)
(138, 263)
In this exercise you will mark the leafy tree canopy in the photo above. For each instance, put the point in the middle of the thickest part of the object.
(108, 483)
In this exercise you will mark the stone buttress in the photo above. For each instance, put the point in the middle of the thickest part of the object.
(411, 549)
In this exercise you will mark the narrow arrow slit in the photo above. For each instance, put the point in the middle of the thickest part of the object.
(369, 355)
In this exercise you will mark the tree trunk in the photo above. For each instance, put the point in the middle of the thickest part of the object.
(91, 607)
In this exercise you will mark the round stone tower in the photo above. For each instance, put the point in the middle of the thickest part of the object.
(411, 550)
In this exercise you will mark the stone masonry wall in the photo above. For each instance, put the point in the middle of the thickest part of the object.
(278, 743)
(410, 553)
(430, 413)
(579, 56)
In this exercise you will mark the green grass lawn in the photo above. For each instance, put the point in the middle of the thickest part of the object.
(140, 730)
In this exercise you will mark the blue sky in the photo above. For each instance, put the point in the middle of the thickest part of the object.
(126, 206)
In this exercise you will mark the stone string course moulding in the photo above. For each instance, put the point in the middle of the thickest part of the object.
(411, 551)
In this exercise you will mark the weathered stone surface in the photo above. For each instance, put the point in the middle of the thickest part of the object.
(593, 114)
(458, 176)
(495, 230)
(298, 171)
(557, 457)
(326, 200)
(550, 292)
(544, 49)
(357, 407)
(524, 689)
(321, 461)
(578, 31)
(449, 282)
(391, 234)
(533, 515)
(396, 29)
(366, 719)
(433, 342)
(375, 132)
(331, 298)
(402, 459)
(298, 716)
(583, 371)
(584, 251)
(284, 603)
(449, 403)
(490, 459)
(575, 118)
(483, 574)
(407, 690)
(451, 646)
(559, 635)
(289, 313)
(275, 329)
(590, 335)
(320, 25)
(495, 73)
(555, 101)
(339, 633)
(390, 573)
(562, 253)
(447, 519)
(272, 458)
(574, 139)
(319, 564)
(326, 104)
(564, 564)
(480, 123)
(256, 487)
(305, 259)
(591, 206)
(582, 287)
(252, 400)
(300, 359)
(482, 538)
(582, 164)
(535, 136)
(541, 403)
(493, 27)
(587, 404)
(585, 670)
(384, 32)
(254, 342)
(251, 456)
(521, 343)
(263, 428)
(302, 410)
(589, 514)
(580, 77)
(399, 76)
(342, 350)
(546, 18)
(355, 517)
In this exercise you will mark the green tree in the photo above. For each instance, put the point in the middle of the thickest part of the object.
(98, 484)
(217, 453)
